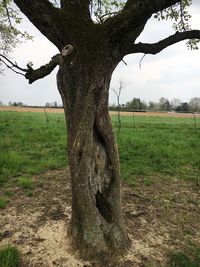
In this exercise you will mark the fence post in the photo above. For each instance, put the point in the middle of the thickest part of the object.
(195, 121)
(47, 119)
(133, 119)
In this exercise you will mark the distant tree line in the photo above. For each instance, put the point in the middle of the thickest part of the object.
(53, 105)
(136, 104)
(21, 104)
(16, 104)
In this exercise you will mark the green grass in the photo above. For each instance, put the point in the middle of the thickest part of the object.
(26, 183)
(9, 257)
(30, 145)
(188, 258)
(3, 202)
(148, 146)
(160, 146)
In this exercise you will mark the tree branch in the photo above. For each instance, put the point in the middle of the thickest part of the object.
(33, 75)
(13, 65)
(155, 48)
(10, 66)
(29, 73)
(46, 17)
(124, 28)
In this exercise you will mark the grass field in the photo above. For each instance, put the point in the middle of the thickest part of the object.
(31, 143)
(160, 160)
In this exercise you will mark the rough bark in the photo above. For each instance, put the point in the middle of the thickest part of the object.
(97, 226)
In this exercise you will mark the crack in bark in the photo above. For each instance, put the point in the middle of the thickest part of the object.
(104, 207)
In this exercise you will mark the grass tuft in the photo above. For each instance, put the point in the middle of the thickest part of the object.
(26, 183)
(9, 257)
(3, 202)
(180, 259)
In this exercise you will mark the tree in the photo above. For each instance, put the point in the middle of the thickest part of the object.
(194, 104)
(164, 104)
(136, 104)
(183, 107)
(117, 92)
(174, 103)
(89, 51)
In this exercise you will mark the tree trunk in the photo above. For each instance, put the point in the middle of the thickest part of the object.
(96, 226)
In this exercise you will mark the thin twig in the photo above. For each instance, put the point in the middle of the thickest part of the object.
(124, 62)
(140, 63)
(11, 68)
(14, 65)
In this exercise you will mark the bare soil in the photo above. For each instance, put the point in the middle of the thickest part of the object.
(159, 218)
(60, 110)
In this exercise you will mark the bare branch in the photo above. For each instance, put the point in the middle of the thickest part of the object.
(29, 73)
(9, 64)
(124, 62)
(11, 67)
(155, 48)
(140, 63)
(33, 75)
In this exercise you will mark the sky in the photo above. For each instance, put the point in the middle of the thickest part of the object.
(173, 73)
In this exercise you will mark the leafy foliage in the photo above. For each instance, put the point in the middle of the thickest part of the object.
(103, 9)
(180, 15)
(10, 35)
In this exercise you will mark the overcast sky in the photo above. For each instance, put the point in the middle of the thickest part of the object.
(174, 73)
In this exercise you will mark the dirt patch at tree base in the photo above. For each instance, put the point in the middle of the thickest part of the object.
(160, 218)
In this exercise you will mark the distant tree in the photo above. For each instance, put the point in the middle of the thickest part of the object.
(123, 106)
(1, 104)
(20, 104)
(164, 104)
(174, 103)
(151, 105)
(55, 104)
(112, 106)
(48, 105)
(194, 104)
(136, 104)
(183, 107)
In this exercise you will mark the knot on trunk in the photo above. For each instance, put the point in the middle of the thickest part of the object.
(67, 50)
